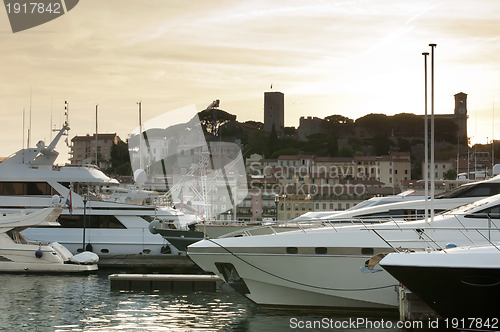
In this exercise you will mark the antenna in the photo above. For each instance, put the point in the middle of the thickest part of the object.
(96, 163)
(66, 112)
(50, 131)
(24, 126)
(29, 126)
(141, 166)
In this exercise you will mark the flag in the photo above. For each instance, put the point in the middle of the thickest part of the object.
(69, 203)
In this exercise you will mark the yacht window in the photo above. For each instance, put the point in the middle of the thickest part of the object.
(478, 190)
(26, 188)
(92, 221)
(320, 250)
(367, 251)
(492, 212)
(292, 250)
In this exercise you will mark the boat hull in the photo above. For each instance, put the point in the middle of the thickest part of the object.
(16, 267)
(284, 280)
(180, 239)
(453, 292)
(465, 281)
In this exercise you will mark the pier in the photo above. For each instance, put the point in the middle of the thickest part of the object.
(164, 282)
(412, 308)
(166, 263)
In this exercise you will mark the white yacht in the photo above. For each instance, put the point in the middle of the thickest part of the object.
(19, 255)
(458, 283)
(372, 202)
(91, 221)
(330, 266)
(404, 206)
(409, 207)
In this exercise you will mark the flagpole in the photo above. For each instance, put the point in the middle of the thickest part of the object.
(426, 142)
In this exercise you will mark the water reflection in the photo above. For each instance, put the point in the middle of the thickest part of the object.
(76, 303)
(85, 303)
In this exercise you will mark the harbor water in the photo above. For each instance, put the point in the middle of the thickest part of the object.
(86, 303)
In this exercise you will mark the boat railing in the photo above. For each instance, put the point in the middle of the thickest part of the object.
(304, 226)
(425, 235)
(248, 231)
(393, 222)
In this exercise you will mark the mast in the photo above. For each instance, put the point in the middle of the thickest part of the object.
(141, 164)
(432, 133)
(61, 131)
(426, 140)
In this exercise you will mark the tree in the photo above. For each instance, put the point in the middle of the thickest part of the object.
(381, 145)
(120, 159)
(321, 144)
(338, 119)
(273, 142)
(450, 174)
(212, 119)
(256, 124)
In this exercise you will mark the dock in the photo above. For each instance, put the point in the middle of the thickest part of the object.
(165, 263)
(164, 282)
(412, 308)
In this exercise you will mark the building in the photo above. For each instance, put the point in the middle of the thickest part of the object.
(85, 149)
(388, 169)
(274, 112)
(311, 125)
(440, 169)
(304, 183)
(453, 125)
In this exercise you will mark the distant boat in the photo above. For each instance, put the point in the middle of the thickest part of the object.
(113, 225)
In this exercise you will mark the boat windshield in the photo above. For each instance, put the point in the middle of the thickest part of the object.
(483, 189)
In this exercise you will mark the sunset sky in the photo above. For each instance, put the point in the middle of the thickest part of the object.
(328, 57)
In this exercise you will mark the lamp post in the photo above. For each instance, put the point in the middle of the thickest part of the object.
(285, 208)
(85, 197)
(276, 201)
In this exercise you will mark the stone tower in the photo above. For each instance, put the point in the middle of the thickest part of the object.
(274, 112)
(460, 116)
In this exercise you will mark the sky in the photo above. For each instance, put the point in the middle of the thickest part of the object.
(348, 57)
